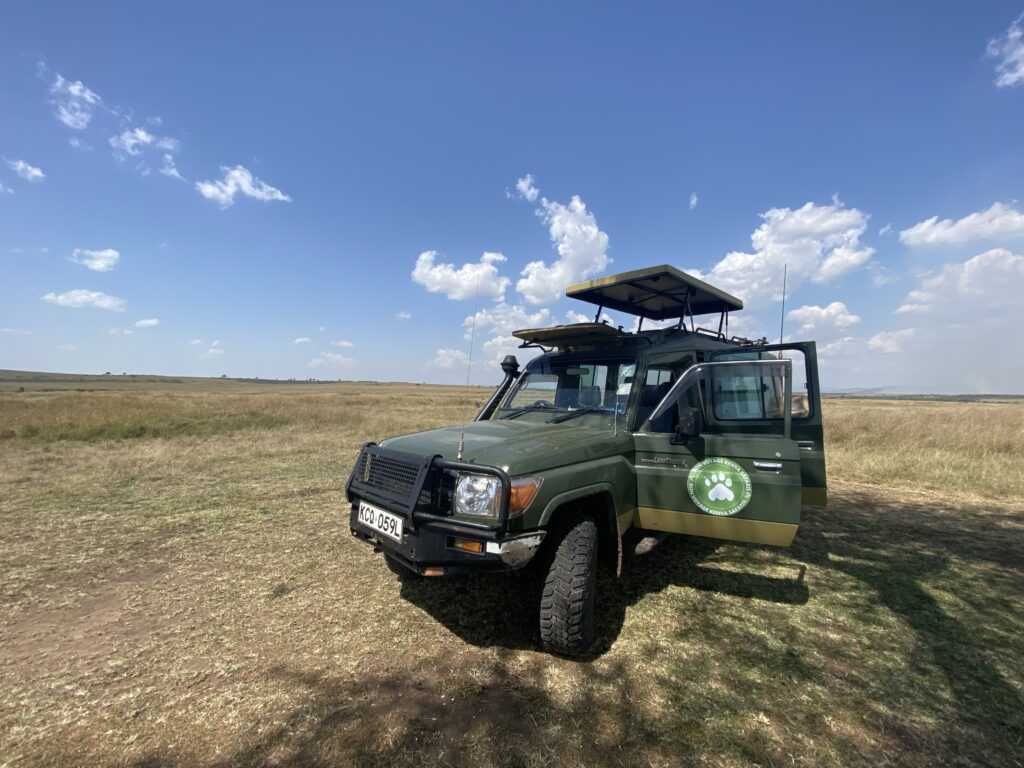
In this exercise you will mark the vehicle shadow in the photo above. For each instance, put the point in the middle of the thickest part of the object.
(501, 610)
(510, 713)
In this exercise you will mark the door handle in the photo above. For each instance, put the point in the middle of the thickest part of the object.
(664, 461)
(768, 466)
(805, 445)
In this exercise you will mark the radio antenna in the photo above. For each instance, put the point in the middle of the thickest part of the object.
(781, 322)
(469, 365)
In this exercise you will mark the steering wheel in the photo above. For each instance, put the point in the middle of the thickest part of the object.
(543, 404)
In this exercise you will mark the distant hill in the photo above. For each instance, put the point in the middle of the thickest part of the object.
(43, 381)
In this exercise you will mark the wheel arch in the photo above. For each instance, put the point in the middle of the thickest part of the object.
(598, 502)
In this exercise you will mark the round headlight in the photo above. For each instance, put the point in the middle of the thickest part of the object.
(477, 495)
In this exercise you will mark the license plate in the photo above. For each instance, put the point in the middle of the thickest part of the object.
(382, 522)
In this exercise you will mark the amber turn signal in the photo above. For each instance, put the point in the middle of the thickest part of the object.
(523, 491)
(468, 545)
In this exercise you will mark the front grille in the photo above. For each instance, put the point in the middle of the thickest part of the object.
(386, 473)
(390, 476)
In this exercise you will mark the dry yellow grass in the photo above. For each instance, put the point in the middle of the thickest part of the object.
(188, 594)
(974, 449)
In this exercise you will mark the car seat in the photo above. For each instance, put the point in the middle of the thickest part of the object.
(649, 398)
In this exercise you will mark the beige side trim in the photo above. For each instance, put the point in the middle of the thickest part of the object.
(732, 528)
(814, 497)
(625, 520)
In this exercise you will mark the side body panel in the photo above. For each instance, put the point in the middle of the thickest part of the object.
(665, 503)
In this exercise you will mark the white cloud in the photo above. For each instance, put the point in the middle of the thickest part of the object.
(654, 325)
(80, 297)
(815, 242)
(236, 181)
(120, 332)
(962, 338)
(1008, 49)
(582, 317)
(196, 342)
(990, 281)
(463, 282)
(693, 200)
(577, 317)
(449, 359)
(99, 261)
(880, 274)
(25, 171)
(343, 344)
(169, 169)
(582, 251)
(812, 317)
(74, 102)
(214, 343)
(215, 350)
(151, 322)
(332, 360)
(133, 140)
(999, 221)
(891, 342)
(839, 347)
(502, 319)
(15, 331)
(403, 315)
(885, 230)
(77, 143)
(5, 190)
(302, 340)
(527, 189)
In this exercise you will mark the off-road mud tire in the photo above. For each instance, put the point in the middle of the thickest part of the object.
(567, 597)
(405, 574)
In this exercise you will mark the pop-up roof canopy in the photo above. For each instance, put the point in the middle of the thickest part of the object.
(568, 335)
(656, 293)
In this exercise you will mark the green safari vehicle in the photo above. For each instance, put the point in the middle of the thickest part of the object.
(677, 429)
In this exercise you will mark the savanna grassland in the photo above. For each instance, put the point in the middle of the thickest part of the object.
(180, 589)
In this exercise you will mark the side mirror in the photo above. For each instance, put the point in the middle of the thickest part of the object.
(689, 423)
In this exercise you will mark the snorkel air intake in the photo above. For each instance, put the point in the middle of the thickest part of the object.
(510, 366)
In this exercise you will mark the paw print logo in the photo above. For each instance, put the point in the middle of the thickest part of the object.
(722, 487)
(719, 486)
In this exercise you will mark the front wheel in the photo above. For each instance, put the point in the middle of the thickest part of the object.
(567, 599)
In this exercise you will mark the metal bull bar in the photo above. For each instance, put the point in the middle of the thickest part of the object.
(396, 480)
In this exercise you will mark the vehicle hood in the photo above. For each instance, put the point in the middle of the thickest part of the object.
(515, 446)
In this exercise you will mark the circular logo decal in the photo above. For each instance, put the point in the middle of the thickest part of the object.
(719, 486)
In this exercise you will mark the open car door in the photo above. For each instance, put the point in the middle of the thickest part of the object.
(805, 410)
(726, 465)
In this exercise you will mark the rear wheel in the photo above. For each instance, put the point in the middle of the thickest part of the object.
(405, 574)
(567, 598)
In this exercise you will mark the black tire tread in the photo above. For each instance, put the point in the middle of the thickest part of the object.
(567, 598)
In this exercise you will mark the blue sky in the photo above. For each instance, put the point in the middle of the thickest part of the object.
(316, 190)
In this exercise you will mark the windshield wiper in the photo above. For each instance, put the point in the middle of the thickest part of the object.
(574, 414)
(528, 408)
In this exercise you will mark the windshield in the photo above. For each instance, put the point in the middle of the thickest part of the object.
(560, 389)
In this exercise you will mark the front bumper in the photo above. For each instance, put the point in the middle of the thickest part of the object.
(419, 489)
(429, 548)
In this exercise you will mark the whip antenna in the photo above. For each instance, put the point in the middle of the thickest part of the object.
(469, 365)
(781, 323)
